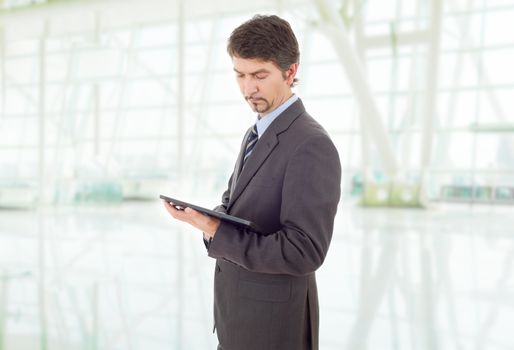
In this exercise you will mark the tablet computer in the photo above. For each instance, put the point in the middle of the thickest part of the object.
(181, 205)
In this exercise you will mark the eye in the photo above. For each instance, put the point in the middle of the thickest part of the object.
(261, 76)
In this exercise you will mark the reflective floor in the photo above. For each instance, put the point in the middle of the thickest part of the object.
(127, 277)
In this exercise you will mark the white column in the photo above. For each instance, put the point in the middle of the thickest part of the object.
(431, 87)
(336, 32)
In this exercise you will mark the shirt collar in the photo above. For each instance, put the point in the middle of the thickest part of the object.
(263, 123)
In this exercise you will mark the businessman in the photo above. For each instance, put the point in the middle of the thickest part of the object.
(286, 180)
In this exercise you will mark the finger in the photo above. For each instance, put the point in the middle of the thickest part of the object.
(177, 214)
(171, 209)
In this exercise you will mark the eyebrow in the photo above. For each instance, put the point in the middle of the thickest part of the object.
(263, 70)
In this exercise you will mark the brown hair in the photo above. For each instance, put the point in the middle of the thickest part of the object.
(269, 38)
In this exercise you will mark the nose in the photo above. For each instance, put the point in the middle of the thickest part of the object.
(249, 87)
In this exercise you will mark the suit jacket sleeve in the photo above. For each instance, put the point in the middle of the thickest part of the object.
(310, 195)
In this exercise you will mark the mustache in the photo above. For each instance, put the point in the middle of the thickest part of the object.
(253, 98)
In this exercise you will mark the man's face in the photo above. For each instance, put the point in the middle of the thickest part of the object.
(263, 85)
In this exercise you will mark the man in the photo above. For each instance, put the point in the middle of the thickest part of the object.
(287, 181)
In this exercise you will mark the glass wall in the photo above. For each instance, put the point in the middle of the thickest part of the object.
(101, 99)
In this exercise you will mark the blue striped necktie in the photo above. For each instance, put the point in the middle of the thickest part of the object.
(250, 143)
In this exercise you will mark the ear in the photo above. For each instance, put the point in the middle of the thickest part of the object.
(291, 73)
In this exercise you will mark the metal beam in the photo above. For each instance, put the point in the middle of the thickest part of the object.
(180, 167)
(41, 290)
(122, 83)
(3, 308)
(399, 39)
(493, 127)
(2, 71)
(96, 93)
(42, 114)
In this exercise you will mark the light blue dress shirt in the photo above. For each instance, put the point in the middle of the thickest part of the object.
(263, 123)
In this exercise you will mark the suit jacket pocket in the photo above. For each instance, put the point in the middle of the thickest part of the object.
(278, 292)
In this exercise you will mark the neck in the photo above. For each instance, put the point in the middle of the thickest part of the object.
(287, 97)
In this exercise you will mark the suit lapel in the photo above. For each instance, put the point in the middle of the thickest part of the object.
(266, 144)
(259, 154)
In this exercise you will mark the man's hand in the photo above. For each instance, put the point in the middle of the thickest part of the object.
(207, 224)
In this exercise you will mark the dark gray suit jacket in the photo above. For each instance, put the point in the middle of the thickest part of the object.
(265, 295)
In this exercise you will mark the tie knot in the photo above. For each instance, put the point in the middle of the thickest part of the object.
(254, 130)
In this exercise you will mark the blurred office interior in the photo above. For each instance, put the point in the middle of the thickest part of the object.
(105, 104)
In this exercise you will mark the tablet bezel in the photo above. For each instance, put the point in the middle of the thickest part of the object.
(222, 216)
